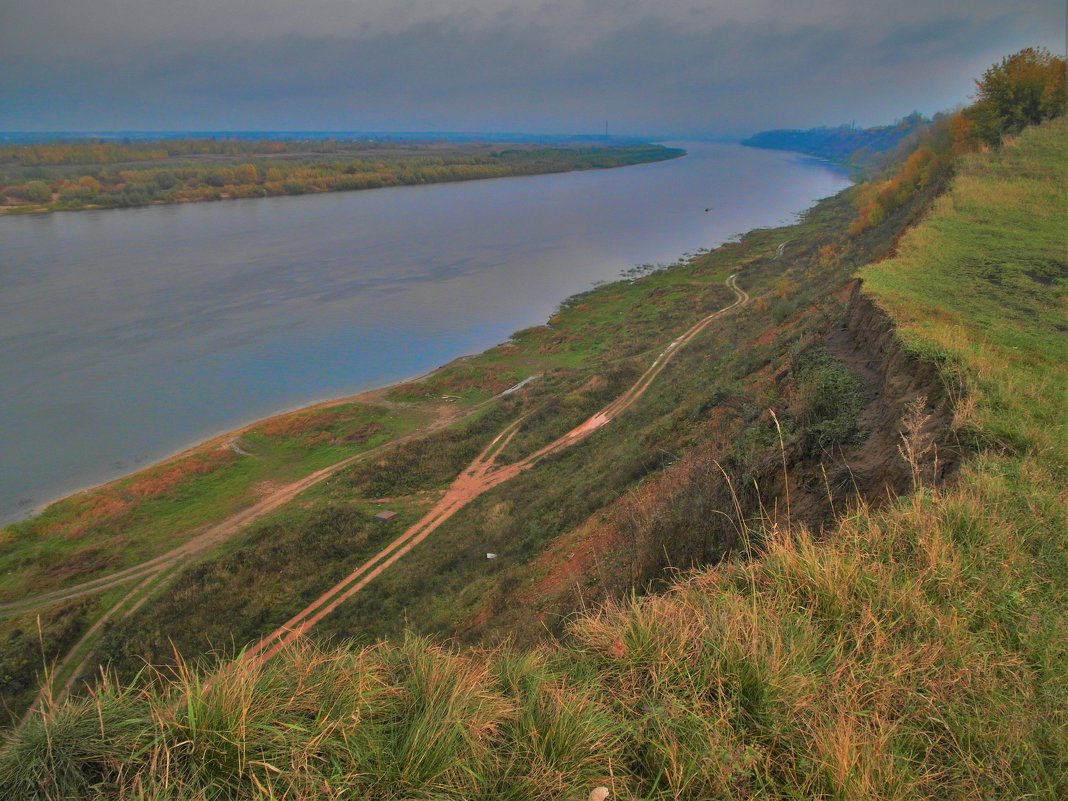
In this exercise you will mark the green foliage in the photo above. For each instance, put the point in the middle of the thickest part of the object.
(828, 401)
(141, 516)
(992, 255)
(296, 555)
(30, 644)
(915, 652)
(425, 463)
(32, 192)
(1023, 89)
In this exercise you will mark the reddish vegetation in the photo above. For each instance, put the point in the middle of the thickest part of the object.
(90, 510)
(767, 337)
(93, 509)
(489, 379)
(166, 478)
(292, 425)
(566, 567)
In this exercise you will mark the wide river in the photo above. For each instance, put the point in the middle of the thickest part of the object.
(127, 335)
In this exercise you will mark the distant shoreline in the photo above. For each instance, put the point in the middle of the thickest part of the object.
(84, 176)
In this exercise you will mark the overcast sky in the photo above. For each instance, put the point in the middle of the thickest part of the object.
(668, 67)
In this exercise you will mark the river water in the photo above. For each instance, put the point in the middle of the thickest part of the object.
(127, 335)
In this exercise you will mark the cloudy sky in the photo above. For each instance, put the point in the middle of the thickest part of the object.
(662, 68)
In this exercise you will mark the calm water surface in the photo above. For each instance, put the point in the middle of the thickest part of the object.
(126, 335)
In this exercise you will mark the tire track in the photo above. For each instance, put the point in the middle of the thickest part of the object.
(157, 571)
(479, 477)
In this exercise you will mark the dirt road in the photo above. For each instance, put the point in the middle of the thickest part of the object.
(155, 572)
(479, 477)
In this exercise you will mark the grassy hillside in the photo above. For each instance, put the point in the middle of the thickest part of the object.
(595, 347)
(915, 651)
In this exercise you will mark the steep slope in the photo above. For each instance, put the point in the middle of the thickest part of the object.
(711, 401)
(915, 651)
(620, 512)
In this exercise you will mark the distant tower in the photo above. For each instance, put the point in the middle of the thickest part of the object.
(606, 129)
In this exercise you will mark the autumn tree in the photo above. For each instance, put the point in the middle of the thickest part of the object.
(246, 174)
(1024, 89)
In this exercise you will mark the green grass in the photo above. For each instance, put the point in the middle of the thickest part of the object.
(134, 519)
(437, 586)
(916, 652)
(139, 517)
(984, 284)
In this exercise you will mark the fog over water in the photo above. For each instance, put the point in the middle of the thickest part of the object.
(126, 335)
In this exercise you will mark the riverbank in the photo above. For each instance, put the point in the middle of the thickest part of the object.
(129, 336)
(107, 554)
(43, 178)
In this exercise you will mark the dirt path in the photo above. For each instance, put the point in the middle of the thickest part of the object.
(213, 535)
(479, 477)
(193, 547)
(155, 572)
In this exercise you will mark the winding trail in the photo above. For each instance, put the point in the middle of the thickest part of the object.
(209, 538)
(155, 572)
(479, 477)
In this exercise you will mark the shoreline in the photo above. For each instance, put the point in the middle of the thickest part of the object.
(220, 438)
(18, 210)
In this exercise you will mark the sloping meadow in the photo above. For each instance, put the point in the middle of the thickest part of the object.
(916, 652)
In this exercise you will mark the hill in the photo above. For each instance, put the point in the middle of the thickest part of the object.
(858, 148)
(860, 481)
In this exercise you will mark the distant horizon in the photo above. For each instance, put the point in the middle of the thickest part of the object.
(722, 68)
(278, 133)
(502, 135)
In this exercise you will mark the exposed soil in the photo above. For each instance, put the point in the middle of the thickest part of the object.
(599, 559)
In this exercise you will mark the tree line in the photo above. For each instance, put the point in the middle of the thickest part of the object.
(54, 185)
(1026, 88)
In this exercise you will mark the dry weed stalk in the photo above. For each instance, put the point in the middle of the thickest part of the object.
(917, 442)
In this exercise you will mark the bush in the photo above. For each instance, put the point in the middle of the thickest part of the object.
(827, 402)
(294, 188)
(33, 191)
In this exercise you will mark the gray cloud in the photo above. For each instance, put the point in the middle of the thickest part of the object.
(680, 66)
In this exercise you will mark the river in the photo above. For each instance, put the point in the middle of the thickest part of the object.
(127, 335)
